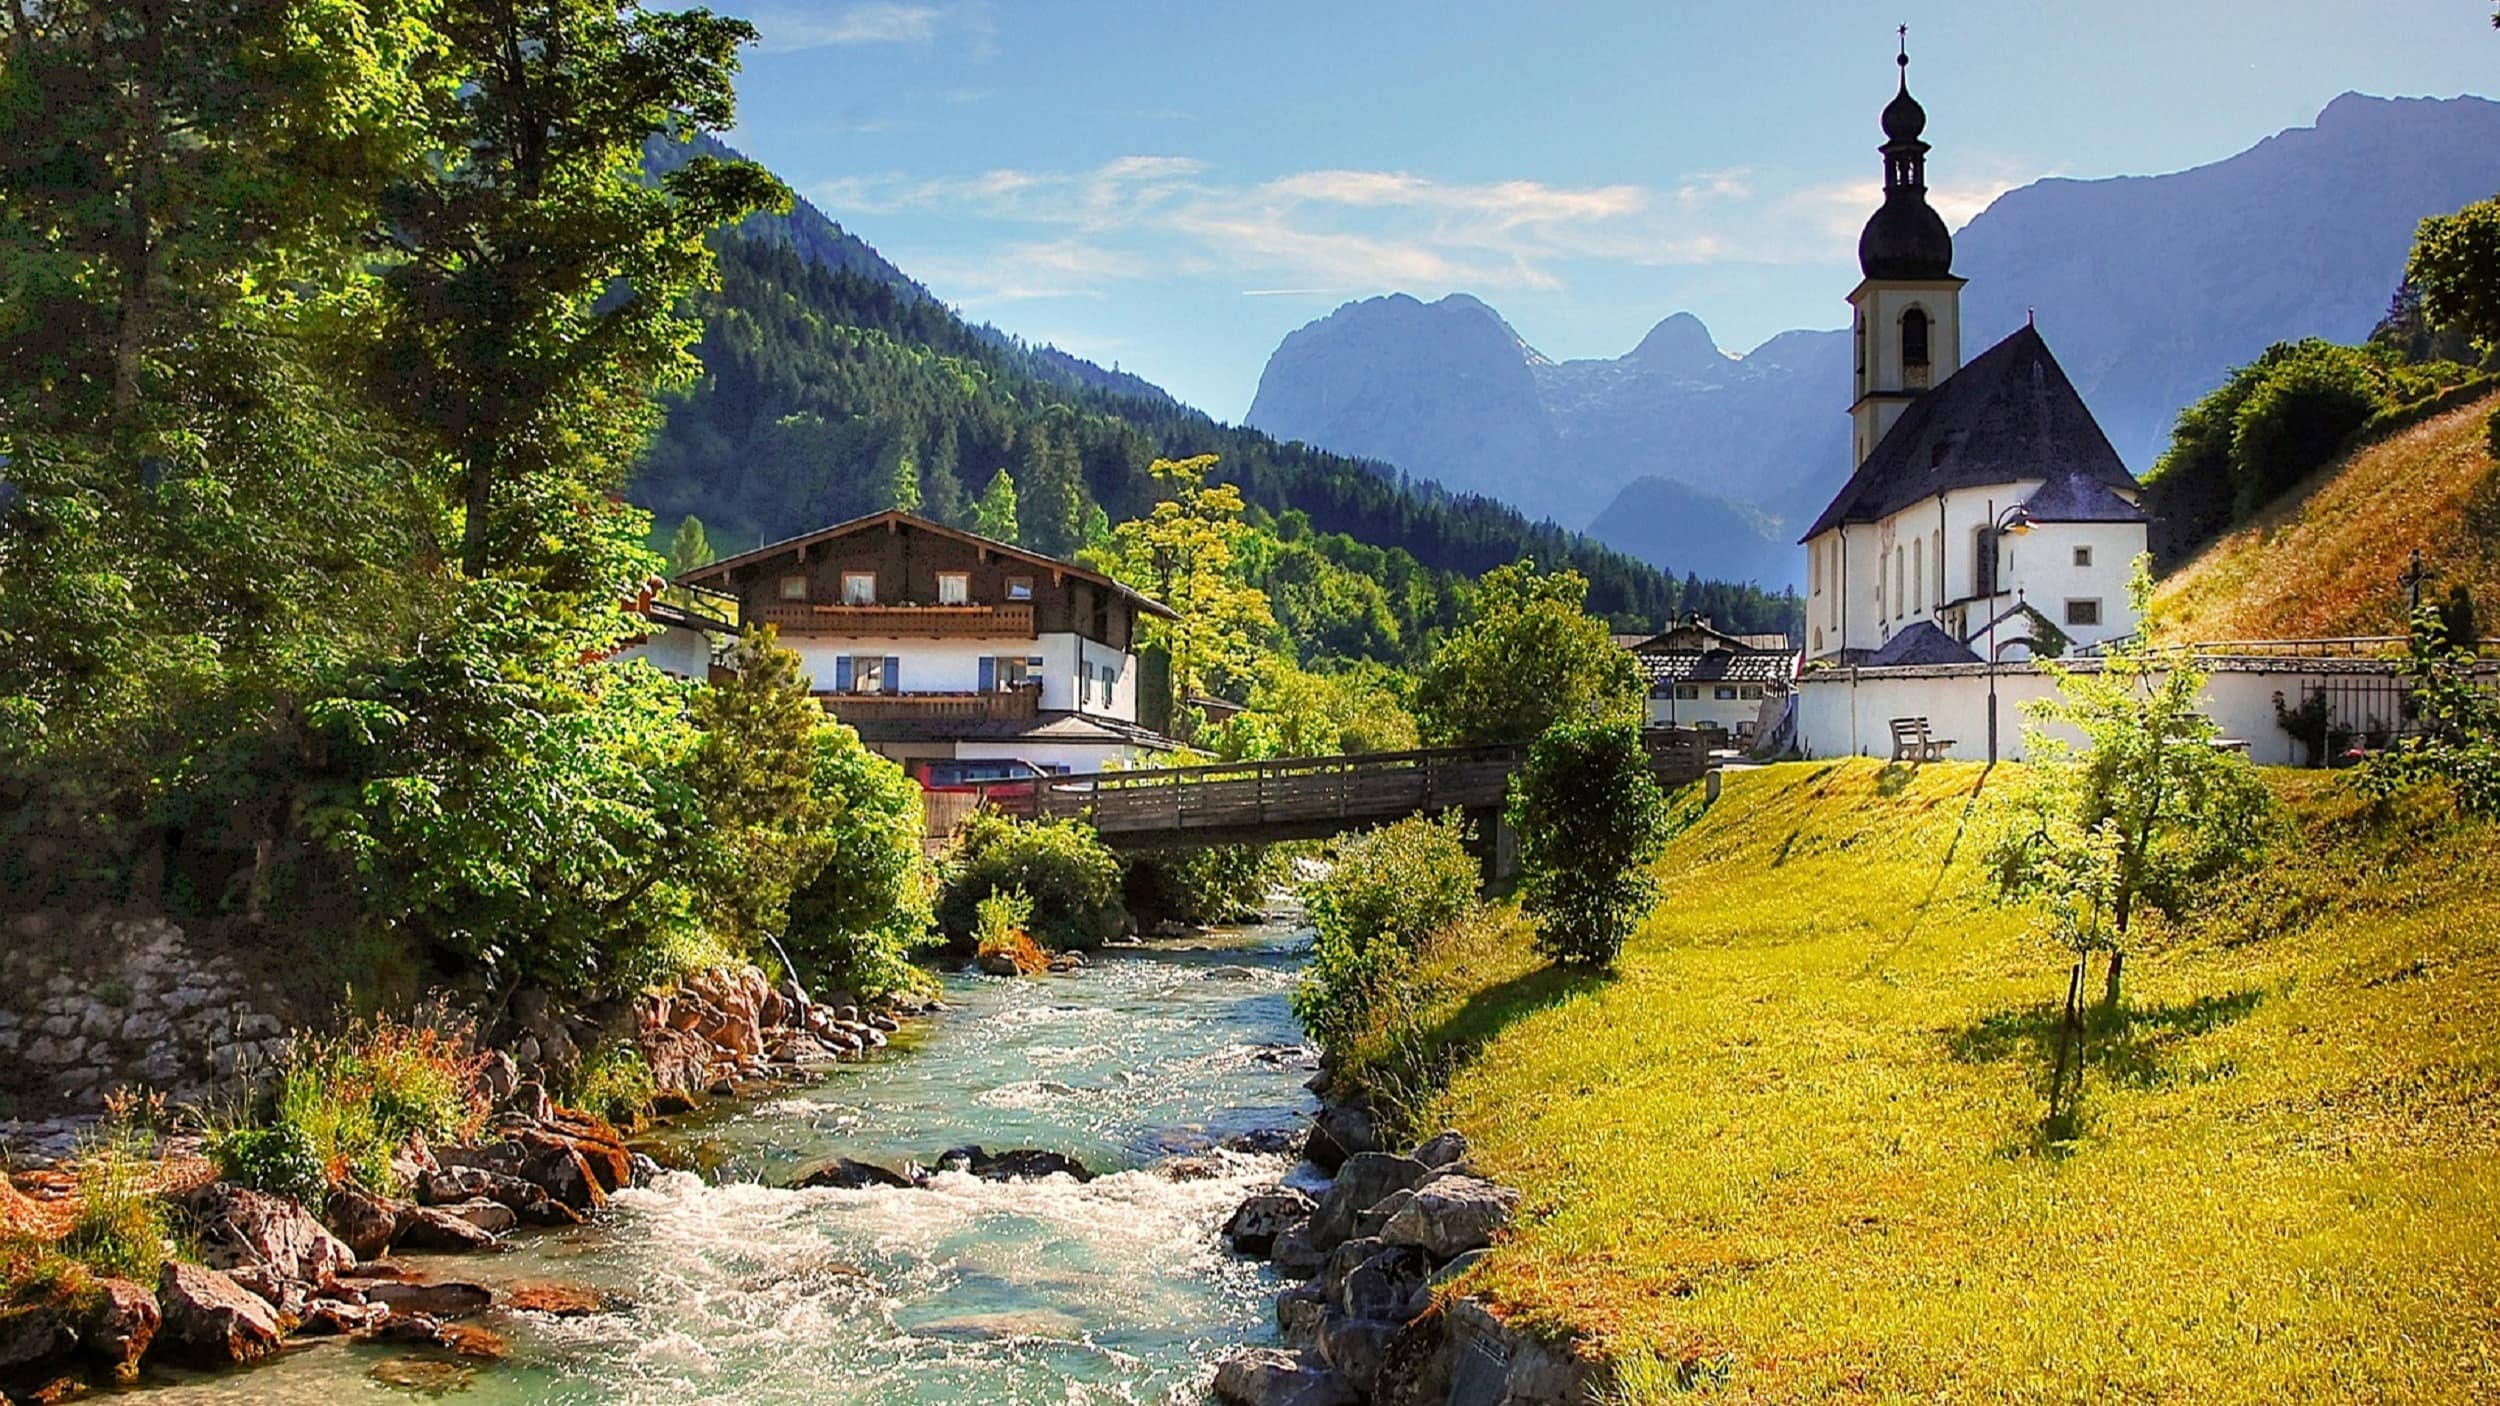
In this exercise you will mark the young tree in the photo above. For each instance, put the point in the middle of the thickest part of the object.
(1591, 822)
(1053, 494)
(1529, 657)
(898, 478)
(2456, 266)
(2138, 817)
(2456, 715)
(994, 512)
(1185, 553)
(534, 280)
(689, 547)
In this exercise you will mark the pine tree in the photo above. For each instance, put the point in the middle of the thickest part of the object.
(898, 478)
(994, 516)
(1054, 494)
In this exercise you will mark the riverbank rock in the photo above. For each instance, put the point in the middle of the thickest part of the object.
(211, 1320)
(445, 1299)
(240, 1228)
(1339, 1132)
(365, 1222)
(1451, 1215)
(1267, 1376)
(559, 1300)
(448, 1228)
(1363, 1180)
(1443, 1149)
(1257, 1222)
(847, 1174)
(120, 1324)
(1015, 1164)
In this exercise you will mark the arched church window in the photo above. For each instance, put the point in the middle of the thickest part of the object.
(1914, 340)
(1861, 336)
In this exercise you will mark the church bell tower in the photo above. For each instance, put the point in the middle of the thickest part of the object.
(1908, 324)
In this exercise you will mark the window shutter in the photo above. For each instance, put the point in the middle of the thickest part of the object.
(842, 674)
(989, 673)
(893, 674)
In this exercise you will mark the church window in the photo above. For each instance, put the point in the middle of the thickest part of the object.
(1861, 333)
(1918, 580)
(1984, 562)
(1900, 597)
(1818, 639)
(2083, 612)
(2083, 556)
(1914, 359)
(1940, 563)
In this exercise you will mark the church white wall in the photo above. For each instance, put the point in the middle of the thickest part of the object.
(2041, 564)
(1849, 712)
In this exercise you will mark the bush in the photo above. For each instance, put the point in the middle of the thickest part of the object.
(614, 1082)
(1384, 897)
(856, 921)
(358, 1098)
(1591, 821)
(1223, 884)
(1061, 865)
(2297, 419)
(999, 926)
(121, 1225)
(280, 1160)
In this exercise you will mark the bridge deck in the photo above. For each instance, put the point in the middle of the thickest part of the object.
(1307, 797)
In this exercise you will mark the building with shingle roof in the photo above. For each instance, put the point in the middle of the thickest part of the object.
(1980, 488)
(1700, 675)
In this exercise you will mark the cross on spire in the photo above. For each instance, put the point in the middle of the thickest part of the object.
(1904, 60)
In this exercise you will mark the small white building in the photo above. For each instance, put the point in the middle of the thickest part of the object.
(1984, 493)
(1700, 676)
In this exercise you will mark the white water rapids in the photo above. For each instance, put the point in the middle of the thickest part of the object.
(1116, 1290)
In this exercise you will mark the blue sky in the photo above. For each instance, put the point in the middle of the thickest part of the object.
(1174, 187)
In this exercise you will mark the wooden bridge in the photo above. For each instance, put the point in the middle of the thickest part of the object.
(1303, 798)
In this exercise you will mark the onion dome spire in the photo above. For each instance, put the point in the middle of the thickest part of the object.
(1906, 239)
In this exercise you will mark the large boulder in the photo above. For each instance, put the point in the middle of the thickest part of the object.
(1296, 1255)
(1015, 1164)
(1392, 1285)
(121, 1321)
(1451, 1215)
(366, 1223)
(445, 1228)
(1257, 1222)
(209, 1319)
(1363, 1181)
(239, 1227)
(1340, 1131)
(1355, 1346)
(36, 1334)
(849, 1174)
(450, 1298)
(1267, 1376)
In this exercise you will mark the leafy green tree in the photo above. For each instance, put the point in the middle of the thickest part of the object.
(1591, 822)
(994, 512)
(857, 921)
(2455, 711)
(1294, 712)
(2137, 818)
(1527, 658)
(1072, 879)
(1384, 897)
(898, 476)
(1184, 552)
(2456, 266)
(534, 279)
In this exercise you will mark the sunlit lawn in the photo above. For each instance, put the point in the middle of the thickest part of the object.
(1792, 1154)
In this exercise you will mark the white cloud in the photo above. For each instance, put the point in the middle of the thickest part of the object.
(787, 29)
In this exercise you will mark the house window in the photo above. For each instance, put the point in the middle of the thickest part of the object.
(2083, 556)
(2083, 612)
(954, 588)
(867, 673)
(1005, 675)
(1751, 693)
(1019, 588)
(1724, 693)
(794, 587)
(1688, 692)
(859, 588)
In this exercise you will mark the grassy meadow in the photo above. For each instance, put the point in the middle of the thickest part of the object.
(2325, 559)
(1792, 1153)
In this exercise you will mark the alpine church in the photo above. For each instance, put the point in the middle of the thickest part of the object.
(1986, 505)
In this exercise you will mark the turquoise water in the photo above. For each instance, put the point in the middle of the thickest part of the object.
(1117, 1290)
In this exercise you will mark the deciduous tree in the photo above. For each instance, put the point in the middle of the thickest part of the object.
(1528, 657)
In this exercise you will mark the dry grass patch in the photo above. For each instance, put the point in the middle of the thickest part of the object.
(1792, 1155)
(2324, 560)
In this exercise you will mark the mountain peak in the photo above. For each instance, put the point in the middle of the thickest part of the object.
(1677, 344)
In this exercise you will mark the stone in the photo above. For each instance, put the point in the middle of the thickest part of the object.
(444, 1228)
(146, 1027)
(1369, 1220)
(1015, 1164)
(35, 1336)
(529, 1097)
(121, 1322)
(1363, 1180)
(328, 1318)
(1339, 1132)
(448, 1298)
(1295, 1256)
(1356, 1347)
(211, 1320)
(287, 1296)
(1386, 1286)
(848, 1174)
(1267, 1376)
(1442, 1149)
(557, 1300)
(1297, 1314)
(1451, 1216)
(238, 1226)
(366, 1223)
(1265, 1142)
(1257, 1222)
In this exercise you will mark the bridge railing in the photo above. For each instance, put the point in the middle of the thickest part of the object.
(1283, 790)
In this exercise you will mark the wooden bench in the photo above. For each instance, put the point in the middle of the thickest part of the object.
(1912, 742)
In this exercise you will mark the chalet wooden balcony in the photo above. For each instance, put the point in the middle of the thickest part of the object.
(1009, 703)
(904, 621)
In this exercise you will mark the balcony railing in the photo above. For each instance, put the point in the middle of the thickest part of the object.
(931, 621)
(1022, 702)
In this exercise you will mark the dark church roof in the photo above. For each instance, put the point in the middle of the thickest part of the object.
(2010, 414)
(1905, 239)
(2076, 498)
(1921, 643)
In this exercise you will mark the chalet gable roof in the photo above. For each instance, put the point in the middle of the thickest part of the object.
(2010, 414)
(895, 518)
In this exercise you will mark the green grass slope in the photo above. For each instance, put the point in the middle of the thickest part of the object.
(2325, 560)
(1792, 1153)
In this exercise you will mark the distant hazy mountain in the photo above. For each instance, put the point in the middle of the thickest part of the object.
(2148, 288)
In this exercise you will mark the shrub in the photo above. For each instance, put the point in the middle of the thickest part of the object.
(1591, 821)
(280, 1160)
(2296, 419)
(121, 1225)
(614, 1082)
(856, 921)
(356, 1099)
(1222, 884)
(1061, 865)
(999, 926)
(1386, 894)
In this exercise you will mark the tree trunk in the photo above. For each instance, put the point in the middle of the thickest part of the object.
(478, 494)
(2109, 989)
(2069, 1041)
